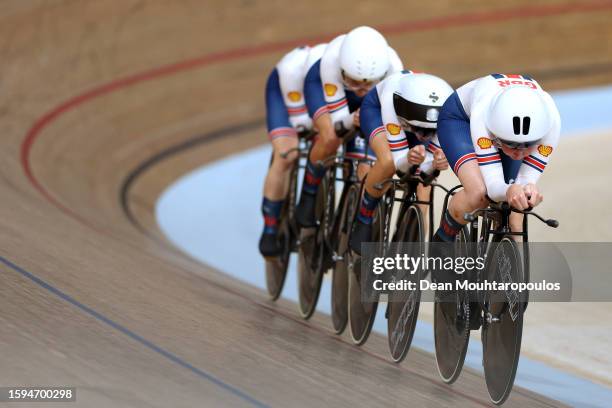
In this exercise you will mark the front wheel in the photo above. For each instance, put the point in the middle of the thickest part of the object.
(276, 268)
(362, 312)
(314, 255)
(339, 293)
(404, 305)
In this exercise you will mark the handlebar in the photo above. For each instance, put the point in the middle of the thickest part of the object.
(503, 207)
(304, 133)
(424, 178)
(340, 159)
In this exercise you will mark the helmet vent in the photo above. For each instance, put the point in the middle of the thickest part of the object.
(516, 123)
(526, 123)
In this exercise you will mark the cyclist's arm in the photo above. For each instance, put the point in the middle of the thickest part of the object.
(292, 86)
(487, 156)
(315, 102)
(370, 117)
(333, 88)
(432, 148)
(534, 164)
(390, 125)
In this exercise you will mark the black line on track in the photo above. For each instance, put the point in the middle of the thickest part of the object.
(132, 176)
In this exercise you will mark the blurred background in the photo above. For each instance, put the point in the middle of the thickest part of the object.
(133, 154)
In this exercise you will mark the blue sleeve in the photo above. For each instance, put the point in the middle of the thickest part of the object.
(370, 117)
(277, 117)
(313, 91)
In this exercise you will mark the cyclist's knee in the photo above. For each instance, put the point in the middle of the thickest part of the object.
(284, 164)
(285, 153)
(476, 196)
(387, 165)
(329, 143)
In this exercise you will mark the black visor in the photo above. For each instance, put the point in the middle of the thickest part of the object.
(414, 111)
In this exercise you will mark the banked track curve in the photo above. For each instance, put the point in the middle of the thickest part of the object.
(37, 129)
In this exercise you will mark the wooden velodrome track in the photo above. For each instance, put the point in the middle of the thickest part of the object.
(104, 103)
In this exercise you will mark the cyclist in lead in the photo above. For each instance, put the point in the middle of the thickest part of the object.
(400, 117)
(334, 88)
(498, 133)
(286, 117)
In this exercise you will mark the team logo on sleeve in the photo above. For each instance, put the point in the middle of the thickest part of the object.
(393, 129)
(545, 150)
(484, 142)
(330, 89)
(294, 96)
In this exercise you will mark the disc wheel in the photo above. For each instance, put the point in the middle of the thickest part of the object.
(403, 306)
(503, 323)
(451, 324)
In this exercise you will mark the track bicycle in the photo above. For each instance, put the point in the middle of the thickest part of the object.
(499, 313)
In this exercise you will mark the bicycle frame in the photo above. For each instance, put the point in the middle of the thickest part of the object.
(349, 176)
(499, 214)
(408, 186)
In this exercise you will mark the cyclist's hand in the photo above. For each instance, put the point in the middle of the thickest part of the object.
(439, 161)
(516, 197)
(534, 196)
(356, 118)
(416, 155)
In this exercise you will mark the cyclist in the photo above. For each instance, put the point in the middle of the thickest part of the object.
(286, 117)
(498, 133)
(400, 116)
(335, 86)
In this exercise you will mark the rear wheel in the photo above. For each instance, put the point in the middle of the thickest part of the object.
(452, 323)
(339, 295)
(276, 268)
(403, 306)
(503, 320)
(314, 251)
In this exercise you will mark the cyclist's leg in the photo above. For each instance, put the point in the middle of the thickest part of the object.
(383, 168)
(283, 137)
(276, 182)
(325, 144)
(373, 128)
(456, 142)
(358, 148)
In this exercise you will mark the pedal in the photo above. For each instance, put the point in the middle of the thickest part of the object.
(335, 257)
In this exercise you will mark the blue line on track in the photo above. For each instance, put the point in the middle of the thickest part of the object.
(148, 344)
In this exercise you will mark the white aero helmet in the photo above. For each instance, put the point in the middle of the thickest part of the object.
(518, 117)
(364, 55)
(418, 99)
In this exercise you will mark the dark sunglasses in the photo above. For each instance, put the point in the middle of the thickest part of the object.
(422, 133)
(515, 145)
